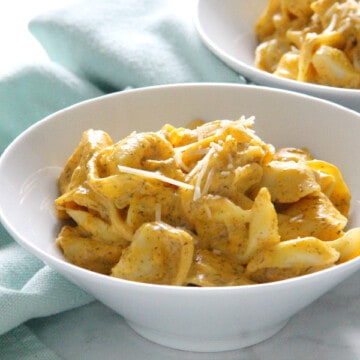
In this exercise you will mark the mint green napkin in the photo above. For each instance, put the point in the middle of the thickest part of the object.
(94, 47)
(117, 44)
(30, 93)
(21, 343)
(28, 288)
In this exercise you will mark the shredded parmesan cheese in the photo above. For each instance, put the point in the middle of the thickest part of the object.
(199, 133)
(216, 146)
(208, 211)
(179, 161)
(208, 182)
(216, 252)
(332, 24)
(231, 161)
(297, 218)
(154, 175)
(204, 166)
(158, 212)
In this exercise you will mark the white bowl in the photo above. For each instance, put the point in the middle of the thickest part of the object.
(227, 28)
(188, 318)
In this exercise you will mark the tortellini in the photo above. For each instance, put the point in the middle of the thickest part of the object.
(158, 253)
(313, 41)
(207, 205)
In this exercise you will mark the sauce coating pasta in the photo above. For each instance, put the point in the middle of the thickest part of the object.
(316, 41)
(208, 205)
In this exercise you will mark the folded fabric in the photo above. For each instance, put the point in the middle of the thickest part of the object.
(30, 93)
(94, 47)
(116, 44)
(28, 288)
(20, 343)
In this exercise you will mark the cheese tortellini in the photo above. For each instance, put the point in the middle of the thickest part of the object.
(315, 41)
(207, 205)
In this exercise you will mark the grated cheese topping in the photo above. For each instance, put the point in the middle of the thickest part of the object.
(208, 211)
(208, 182)
(158, 212)
(154, 175)
(204, 166)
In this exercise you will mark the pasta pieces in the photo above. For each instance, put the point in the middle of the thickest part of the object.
(223, 226)
(290, 259)
(95, 214)
(263, 226)
(210, 205)
(314, 41)
(332, 184)
(165, 205)
(332, 66)
(86, 252)
(210, 268)
(347, 245)
(134, 150)
(313, 215)
(158, 254)
(289, 181)
(75, 172)
(292, 154)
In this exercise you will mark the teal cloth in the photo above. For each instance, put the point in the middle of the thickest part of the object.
(34, 91)
(94, 47)
(117, 44)
(20, 343)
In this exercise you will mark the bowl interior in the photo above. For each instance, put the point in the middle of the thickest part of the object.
(31, 164)
(229, 29)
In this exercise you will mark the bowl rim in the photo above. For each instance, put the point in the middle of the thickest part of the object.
(50, 259)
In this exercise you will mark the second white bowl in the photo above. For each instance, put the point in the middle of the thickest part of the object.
(227, 29)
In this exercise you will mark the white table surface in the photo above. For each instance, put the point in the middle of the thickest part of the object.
(329, 329)
(16, 43)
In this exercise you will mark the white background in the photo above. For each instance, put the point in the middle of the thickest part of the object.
(17, 45)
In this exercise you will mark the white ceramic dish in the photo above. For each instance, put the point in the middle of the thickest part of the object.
(197, 319)
(227, 28)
